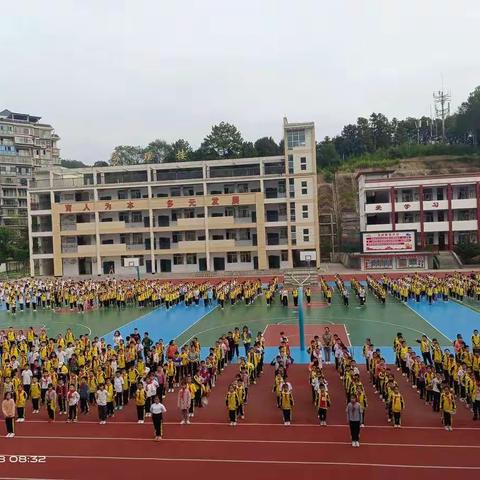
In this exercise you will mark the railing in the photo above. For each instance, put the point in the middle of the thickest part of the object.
(136, 246)
(69, 248)
(274, 169)
(68, 226)
(164, 176)
(41, 206)
(218, 172)
(41, 228)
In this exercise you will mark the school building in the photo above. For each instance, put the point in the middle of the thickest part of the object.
(442, 211)
(183, 217)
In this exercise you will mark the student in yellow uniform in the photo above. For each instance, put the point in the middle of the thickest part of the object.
(397, 404)
(323, 404)
(286, 404)
(140, 402)
(20, 400)
(35, 393)
(447, 407)
(231, 400)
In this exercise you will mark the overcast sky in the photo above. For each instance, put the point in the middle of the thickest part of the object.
(110, 72)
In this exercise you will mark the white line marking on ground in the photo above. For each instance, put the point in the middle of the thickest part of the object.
(225, 424)
(268, 442)
(426, 321)
(267, 462)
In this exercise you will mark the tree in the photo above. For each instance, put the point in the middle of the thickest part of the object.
(327, 154)
(126, 155)
(248, 150)
(381, 131)
(72, 163)
(181, 151)
(266, 147)
(100, 163)
(158, 151)
(13, 244)
(468, 118)
(224, 141)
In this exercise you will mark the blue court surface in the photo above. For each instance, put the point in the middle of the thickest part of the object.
(166, 324)
(449, 318)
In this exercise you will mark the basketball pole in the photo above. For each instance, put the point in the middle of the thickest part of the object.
(301, 321)
(138, 272)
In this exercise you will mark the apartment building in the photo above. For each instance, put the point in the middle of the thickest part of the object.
(25, 145)
(216, 215)
(443, 210)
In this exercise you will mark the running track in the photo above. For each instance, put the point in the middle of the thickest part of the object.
(261, 444)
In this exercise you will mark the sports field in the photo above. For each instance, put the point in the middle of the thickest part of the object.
(260, 446)
(442, 320)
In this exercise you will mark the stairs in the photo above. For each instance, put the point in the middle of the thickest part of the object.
(448, 260)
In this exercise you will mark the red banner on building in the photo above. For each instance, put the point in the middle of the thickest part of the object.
(378, 242)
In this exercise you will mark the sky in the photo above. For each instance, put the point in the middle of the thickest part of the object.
(125, 72)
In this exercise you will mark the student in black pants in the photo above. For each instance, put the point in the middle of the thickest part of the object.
(157, 409)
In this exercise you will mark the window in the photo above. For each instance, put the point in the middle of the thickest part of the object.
(244, 234)
(229, 189)
(190, 237)
(191, 258)
(122, 194)
(124, 217)
(229, 211)
(304, 188)
(245, 257)
(135, 194)
(306, 235)
(137, 238)
(137, 217)
(231, 235)
(296, 138)
(242, 188)
(304, 211)
(177, 237)
(178, 259)
(232, 257)
(292, 212)
(293, 235)
(428, 216)
(284, 255)
(291, 184)
(303, 163)
(175, 192)
(290, 164)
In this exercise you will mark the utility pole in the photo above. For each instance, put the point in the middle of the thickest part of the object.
(441, 101)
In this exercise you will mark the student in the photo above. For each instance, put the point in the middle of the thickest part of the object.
(323, 404)
(20, 400)
(397, 404)
(101, 397)
(140, 402)
(354, 411)
(118, 382)
(73, 397)
(184, 399)
(232, 403)
(35, 393)
(84, 394)
(286, 403)
(447, 407)
(157, 409)
(8, 410)
(51, 401)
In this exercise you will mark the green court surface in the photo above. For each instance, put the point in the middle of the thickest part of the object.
(377, 321)
(96, 322)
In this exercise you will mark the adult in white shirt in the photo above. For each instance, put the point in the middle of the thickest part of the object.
(101, 399)
(150, 392)
(157, 409)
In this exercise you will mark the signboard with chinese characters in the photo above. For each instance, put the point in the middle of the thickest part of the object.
(380, 242)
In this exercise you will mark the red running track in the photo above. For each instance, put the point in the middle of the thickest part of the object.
(260, 446)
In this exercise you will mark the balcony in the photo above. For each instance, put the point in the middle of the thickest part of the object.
(136, 246)
(461, 225)
(408, 226)
(378, 207)
(435, 227)
(407, 207)
(112, 227)
(464, 203)
(435, 205)
(383, 227)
